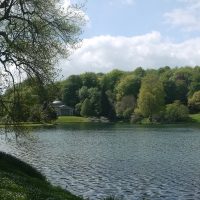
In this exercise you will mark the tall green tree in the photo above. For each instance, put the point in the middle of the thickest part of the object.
(151, 97)
(128, 85)
(105, 107)
(70, 90)
(86, 108)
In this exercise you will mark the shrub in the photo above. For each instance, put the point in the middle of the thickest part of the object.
(176, 111)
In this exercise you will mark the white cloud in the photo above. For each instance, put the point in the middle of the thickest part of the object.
(188, 17)
(129, 2)
(105, 53)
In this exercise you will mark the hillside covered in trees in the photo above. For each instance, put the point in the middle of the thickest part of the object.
(167, 94)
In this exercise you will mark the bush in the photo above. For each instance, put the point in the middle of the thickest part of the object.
(176, 112)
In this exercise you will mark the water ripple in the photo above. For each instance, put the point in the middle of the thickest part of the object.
(129, 162)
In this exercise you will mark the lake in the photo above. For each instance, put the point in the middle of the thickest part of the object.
(122, 160)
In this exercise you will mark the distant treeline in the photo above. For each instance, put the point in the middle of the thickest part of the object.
(164, 94)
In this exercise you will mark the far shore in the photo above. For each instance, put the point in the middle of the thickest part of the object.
(193, 118)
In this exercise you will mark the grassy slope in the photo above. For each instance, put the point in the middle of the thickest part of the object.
(66, 119)
(20, 181)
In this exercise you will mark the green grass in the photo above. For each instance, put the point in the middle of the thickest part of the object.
(194, 118)
(20, 181)
(66, 119)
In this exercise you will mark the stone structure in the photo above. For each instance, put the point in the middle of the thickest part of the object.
(62, 109)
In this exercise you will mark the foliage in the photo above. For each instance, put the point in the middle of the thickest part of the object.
(125, 106)
(78, 108)
(176, 111)
(194, 102)
(128, 85)
(128, 112)
(33, 36)
(181, 91)
(105, 106)
(49, 114)
(136, 117)
(110, 80)
(70, 90)
(195, 85)
(151, 96)
(43, 114)
(86, 108)
(83, 93)
(89, 79)
(35, 114)
(139, 72)
(177, 83)
(170, 90)
(94, 95)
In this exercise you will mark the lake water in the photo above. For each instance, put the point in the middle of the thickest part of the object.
(121, 160)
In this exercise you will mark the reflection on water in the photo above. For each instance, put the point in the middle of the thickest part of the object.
(133, 162)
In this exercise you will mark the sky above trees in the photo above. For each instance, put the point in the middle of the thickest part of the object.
(126, 34)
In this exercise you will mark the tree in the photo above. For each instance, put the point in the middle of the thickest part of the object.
(104, 104)
(89, 79)
(128, 85)
(151, 96)
(181, 91)
(86, 108)
(94, 95)
(140, 72)
(176, 111)
(83, 93)
(195, 85)
(170, 90)
(111, 79)
(33, 36)
(126, 106)
(194, 102)
(70, 90)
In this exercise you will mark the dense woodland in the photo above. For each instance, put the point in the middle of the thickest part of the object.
(166, 94)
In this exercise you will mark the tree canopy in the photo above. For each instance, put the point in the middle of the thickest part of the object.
(33, 36)
(151, 96)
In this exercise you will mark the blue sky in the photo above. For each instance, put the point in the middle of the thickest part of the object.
(126, 34)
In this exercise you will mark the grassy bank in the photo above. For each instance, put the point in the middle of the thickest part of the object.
(19, 180)
(195, 118)
(67, 119)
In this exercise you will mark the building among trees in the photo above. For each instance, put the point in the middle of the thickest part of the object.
(62, 109)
